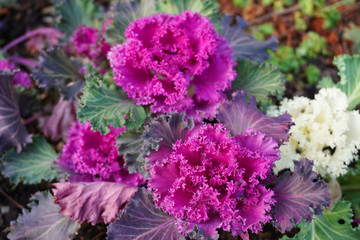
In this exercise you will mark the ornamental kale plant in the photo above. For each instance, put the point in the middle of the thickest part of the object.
(158, 129)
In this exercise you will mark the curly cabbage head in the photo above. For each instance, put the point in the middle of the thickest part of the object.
(323, 131)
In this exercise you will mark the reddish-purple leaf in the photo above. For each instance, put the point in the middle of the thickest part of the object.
(295, 194)
(12, 131)
(141, 220)
(94, 202)
(245, 46)
(239, 115)
(61, 119)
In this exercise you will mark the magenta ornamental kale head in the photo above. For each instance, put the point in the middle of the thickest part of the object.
(213, 180)
(89, 42)
(175, 63)
(95, 157)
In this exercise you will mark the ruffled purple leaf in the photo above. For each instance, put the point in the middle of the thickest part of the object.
(12, 131)
(239, 115)
(142, 220)
(57, 70)
(94, 202)
(43, 221)
(212, 180)
(163, 133)
(245, 46)
(175, 63)
(295, 194)
(87, 152)
(61, 119)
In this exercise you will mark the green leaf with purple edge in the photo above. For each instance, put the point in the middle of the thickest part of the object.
(131, 147)
(142, 220)
(43, 221)
(33, 164)
(245, 46)
(12, 131)
(95, 202)
(259, 80)
(56, 69)
(295, 194)
(239, 115)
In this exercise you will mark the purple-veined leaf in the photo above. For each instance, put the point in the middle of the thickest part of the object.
(12, 131)
(43, 221)
(295, 194)
(168, 129)
(164, 131)
(62, 118)
(245, 46)
(94, 202)
(141, 220)
(56, 69)
(238, 115)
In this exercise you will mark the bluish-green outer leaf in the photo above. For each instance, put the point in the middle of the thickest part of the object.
(328, 226)
(349, 72)
(34, 163)
(103, 107)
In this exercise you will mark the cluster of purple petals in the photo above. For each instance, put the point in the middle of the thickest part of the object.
(94, 157)
(175, 63)
(89, 42)
(215, 181)
(20, 78)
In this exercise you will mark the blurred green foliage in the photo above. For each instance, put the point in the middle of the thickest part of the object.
(261, 32)
(312, 73)
(242, 3)
(353, 34)
(290, 59)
